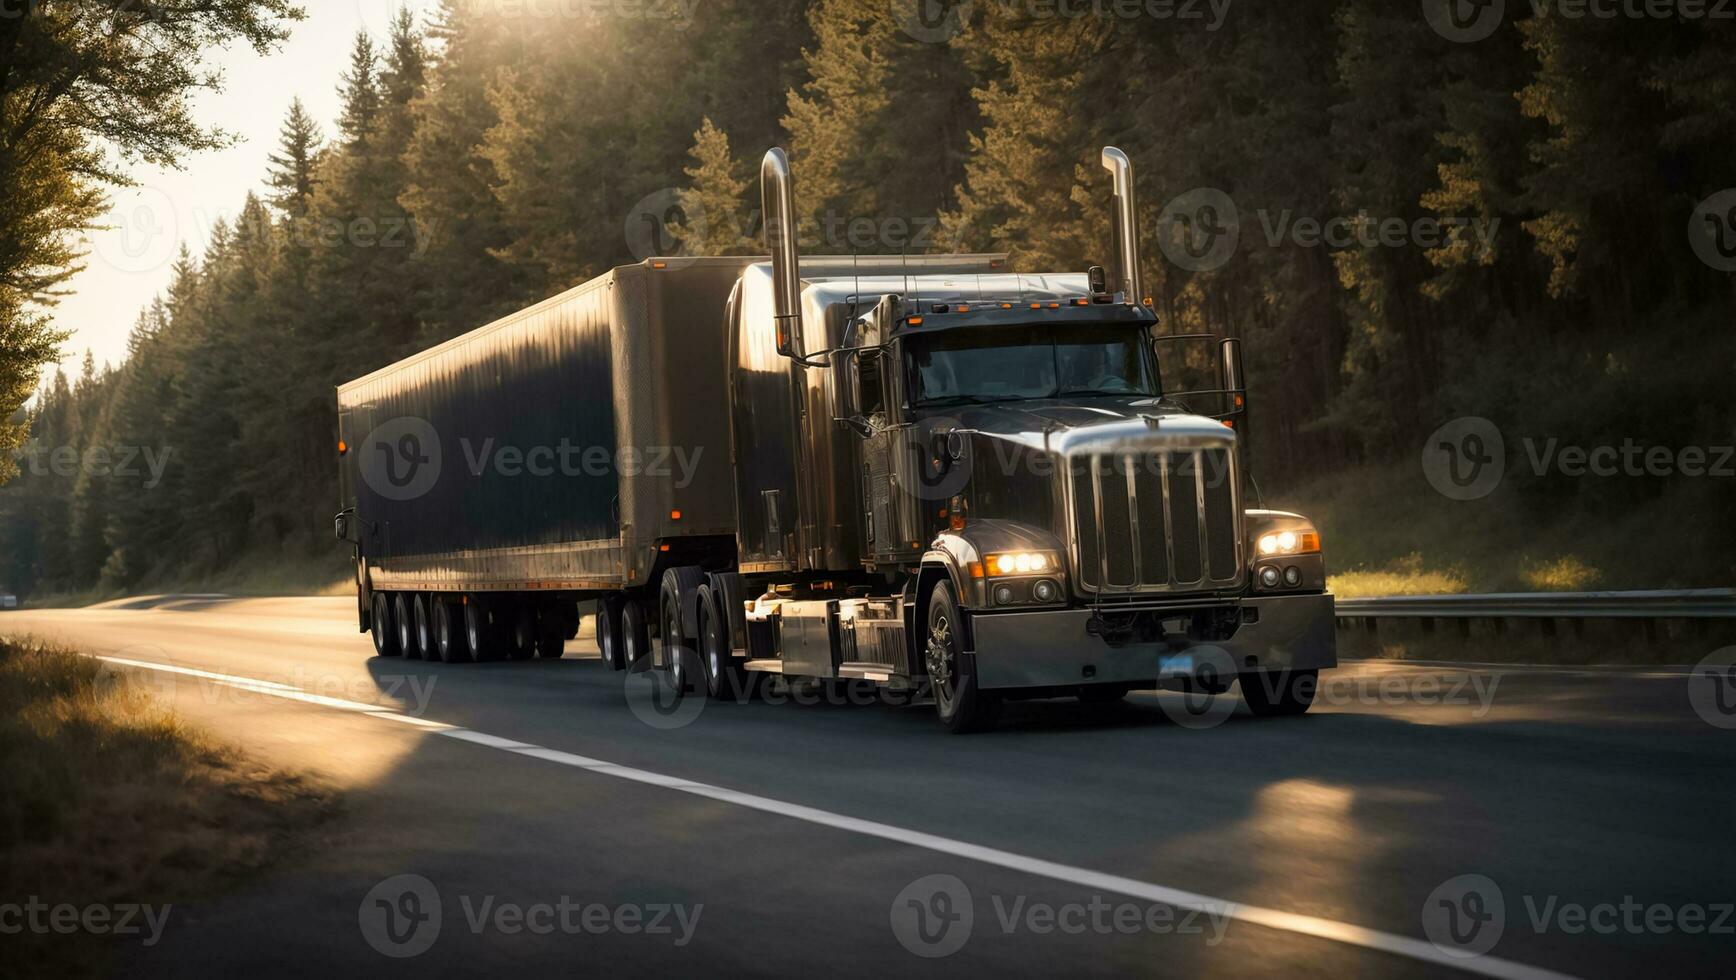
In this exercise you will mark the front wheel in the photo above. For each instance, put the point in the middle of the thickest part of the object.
(1273, 692)
(961, 705)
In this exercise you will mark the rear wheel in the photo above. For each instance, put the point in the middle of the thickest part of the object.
(609, 632)
(635, 635)
(674, 649)
(1273, 692)
(423, 611)
(403, 617)
(450, 635)
(522, 643)
(724, 678)
(961, 705)
(385, 636)
(479, 632)
(551, 631)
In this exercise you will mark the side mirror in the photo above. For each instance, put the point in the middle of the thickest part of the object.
(1234, 383)
(1215, 383)
(847, 391)
(342, 525)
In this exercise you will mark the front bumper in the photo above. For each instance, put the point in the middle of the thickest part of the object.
(1052, 648)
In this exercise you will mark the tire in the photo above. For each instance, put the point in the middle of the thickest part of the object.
(724, 677)
(1277, 693)
(385, 635)
(635, 636)
(423, 609)
(609, 632)
(521, 641)
(403, 617)
(479, 632)
(1103, 693)
(960, 705)
(673, 649)
(450, 636)
(551, 631)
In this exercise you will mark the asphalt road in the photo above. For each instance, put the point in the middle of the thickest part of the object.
(1421, 821)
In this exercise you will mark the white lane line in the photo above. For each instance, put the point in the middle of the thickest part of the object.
(1306, 925)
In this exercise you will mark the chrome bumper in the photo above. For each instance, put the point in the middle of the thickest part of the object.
(1052, 648)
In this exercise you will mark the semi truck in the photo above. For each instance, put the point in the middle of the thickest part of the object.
(937, 475)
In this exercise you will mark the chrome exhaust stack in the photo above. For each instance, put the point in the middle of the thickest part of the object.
(1126, 226)
(778, 202)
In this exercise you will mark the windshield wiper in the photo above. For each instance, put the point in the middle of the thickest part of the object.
(1075, 392)
(969, 400)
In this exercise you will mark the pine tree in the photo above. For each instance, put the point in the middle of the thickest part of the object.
(714, 203)
(292, 167)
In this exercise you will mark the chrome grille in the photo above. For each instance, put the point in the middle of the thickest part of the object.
(1145, 522)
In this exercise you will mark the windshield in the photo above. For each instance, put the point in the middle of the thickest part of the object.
(995, 364)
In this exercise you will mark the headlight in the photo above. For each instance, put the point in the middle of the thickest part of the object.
(1010, 563)
(1290, 543)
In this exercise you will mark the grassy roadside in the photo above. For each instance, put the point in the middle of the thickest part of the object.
(256, 574)
(1387, 532)
(108, 802)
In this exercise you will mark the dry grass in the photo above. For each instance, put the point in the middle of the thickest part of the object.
(1407, 576)
(107, 798)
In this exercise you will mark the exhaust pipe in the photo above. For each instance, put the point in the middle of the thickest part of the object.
(1126, 227)
(778, 201)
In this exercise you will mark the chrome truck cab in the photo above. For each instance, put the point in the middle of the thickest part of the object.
(957, 479)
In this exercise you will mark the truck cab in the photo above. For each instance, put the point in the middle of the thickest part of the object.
(975, 482)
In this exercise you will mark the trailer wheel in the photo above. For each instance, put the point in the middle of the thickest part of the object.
(385, 637)
(521, 641)
(673, 648)
(961, 705)
(551, 631)
(724, 678)
(450, 633)
(635, 635)
(422, 609)
(1274, 692)
(479, 631)
(403, 617)
(609, 632)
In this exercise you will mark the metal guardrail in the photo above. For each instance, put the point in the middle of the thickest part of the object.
(1682, 604)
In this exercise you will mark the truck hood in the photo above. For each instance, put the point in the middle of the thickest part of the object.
(1070, 428)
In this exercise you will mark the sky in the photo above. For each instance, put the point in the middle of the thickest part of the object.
(129, 264)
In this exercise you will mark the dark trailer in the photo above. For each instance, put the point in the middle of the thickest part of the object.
(558, 451)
